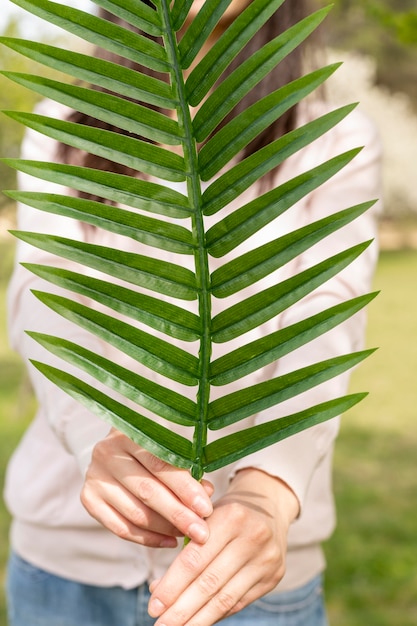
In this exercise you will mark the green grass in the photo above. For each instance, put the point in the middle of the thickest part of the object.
(372, 577)
(372, 574)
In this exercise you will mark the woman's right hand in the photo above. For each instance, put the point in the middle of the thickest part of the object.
(142, 499)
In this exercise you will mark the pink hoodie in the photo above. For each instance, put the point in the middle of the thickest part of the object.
(50, 527)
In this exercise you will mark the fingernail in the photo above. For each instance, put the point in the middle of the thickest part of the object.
(202, 506)
(156, 607)
(198, 532)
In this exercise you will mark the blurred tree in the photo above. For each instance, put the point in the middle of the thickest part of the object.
(12, 96)
(383, 29)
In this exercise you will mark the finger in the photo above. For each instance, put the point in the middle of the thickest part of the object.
(98, 493)
(252, 594)
(208, 487)
(156, 496)
(227, 602)
(189, 491)
(117, 449)
(214, 593)
(121, 526)
(124, 529)
(153, 585)
(197, 596)
(148, 488)
(222, 596)
(190, 563)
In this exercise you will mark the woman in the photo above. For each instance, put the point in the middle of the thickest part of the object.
(255, 553)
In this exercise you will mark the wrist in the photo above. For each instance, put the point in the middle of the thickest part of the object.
(279, 493)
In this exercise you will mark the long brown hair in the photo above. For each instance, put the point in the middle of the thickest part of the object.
(289, 13)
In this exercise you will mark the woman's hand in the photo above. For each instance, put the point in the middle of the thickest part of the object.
(143, 499)
(243, 559)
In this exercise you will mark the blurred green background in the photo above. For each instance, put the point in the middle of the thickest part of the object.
(372, 572)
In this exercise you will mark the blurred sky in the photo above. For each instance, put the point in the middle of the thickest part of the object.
(32, 26)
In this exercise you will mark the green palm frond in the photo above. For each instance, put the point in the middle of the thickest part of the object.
(203, 166)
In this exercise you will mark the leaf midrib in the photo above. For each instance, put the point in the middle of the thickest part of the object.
(202, 273)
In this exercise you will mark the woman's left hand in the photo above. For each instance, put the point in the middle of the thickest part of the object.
(243, 559)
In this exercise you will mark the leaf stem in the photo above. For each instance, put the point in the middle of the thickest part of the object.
(202, 271)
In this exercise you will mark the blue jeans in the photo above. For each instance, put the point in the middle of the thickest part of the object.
(37, 598)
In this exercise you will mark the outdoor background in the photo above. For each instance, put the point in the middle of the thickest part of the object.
(372, 571)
